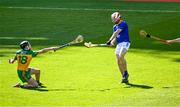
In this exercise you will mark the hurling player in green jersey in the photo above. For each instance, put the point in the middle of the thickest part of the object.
(23, 58)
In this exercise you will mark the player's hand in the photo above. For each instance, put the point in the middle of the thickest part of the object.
(11, 61)
(148, 36)
(108, 42)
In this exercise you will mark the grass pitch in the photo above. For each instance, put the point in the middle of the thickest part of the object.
(79, 76)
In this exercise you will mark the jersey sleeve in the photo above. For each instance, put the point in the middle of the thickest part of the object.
(17, 52)
(34, 53)
(122, 26)
(15, 57)
(114, 28)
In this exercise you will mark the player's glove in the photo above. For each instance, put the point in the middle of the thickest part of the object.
(108, 42)
(148, 35)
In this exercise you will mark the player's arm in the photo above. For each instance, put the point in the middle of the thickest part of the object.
(173, 40)
(12, 60)
(113, 41)
(46, 50)
(114, 35)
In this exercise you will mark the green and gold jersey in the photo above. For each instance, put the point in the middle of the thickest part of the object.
(24, 58)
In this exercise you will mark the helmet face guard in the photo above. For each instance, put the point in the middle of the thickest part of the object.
(115, 17)
(25, 45)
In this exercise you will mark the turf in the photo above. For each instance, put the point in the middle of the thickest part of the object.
(79, 76)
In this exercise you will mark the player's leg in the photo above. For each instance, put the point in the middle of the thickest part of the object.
(31, 84)
(119, 64)
(125, 64)
(121, 51)
(121, 61)
(36, 72)
(25, 76)
(173, 40)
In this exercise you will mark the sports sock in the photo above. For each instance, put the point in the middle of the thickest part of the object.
(125, 74)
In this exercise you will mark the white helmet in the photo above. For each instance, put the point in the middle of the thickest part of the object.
(115, 17)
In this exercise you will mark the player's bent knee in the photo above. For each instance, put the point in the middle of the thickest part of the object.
(33, 82)
(120, 57)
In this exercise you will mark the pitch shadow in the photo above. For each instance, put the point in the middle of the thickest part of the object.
(62, 90)
(43, 89)
(37, 89)
(101, 90)
(130, 85)
(177, 60)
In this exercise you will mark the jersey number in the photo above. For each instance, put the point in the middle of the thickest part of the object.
(23, 59)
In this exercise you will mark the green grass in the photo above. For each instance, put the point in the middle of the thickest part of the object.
(79, 76)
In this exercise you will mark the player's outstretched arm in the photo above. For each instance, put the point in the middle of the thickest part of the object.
(173, 40)
(46, 50)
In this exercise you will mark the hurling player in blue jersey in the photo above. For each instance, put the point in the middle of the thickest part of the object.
(121, 36)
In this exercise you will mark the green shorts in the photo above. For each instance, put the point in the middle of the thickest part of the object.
(27, 75)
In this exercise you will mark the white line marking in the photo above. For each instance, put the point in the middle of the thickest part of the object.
(91, 9)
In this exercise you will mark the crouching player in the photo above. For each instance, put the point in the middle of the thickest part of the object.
(24, 57)
(121, 35)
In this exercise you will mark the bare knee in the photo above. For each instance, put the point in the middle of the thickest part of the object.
(120, 59)
(32, 83)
